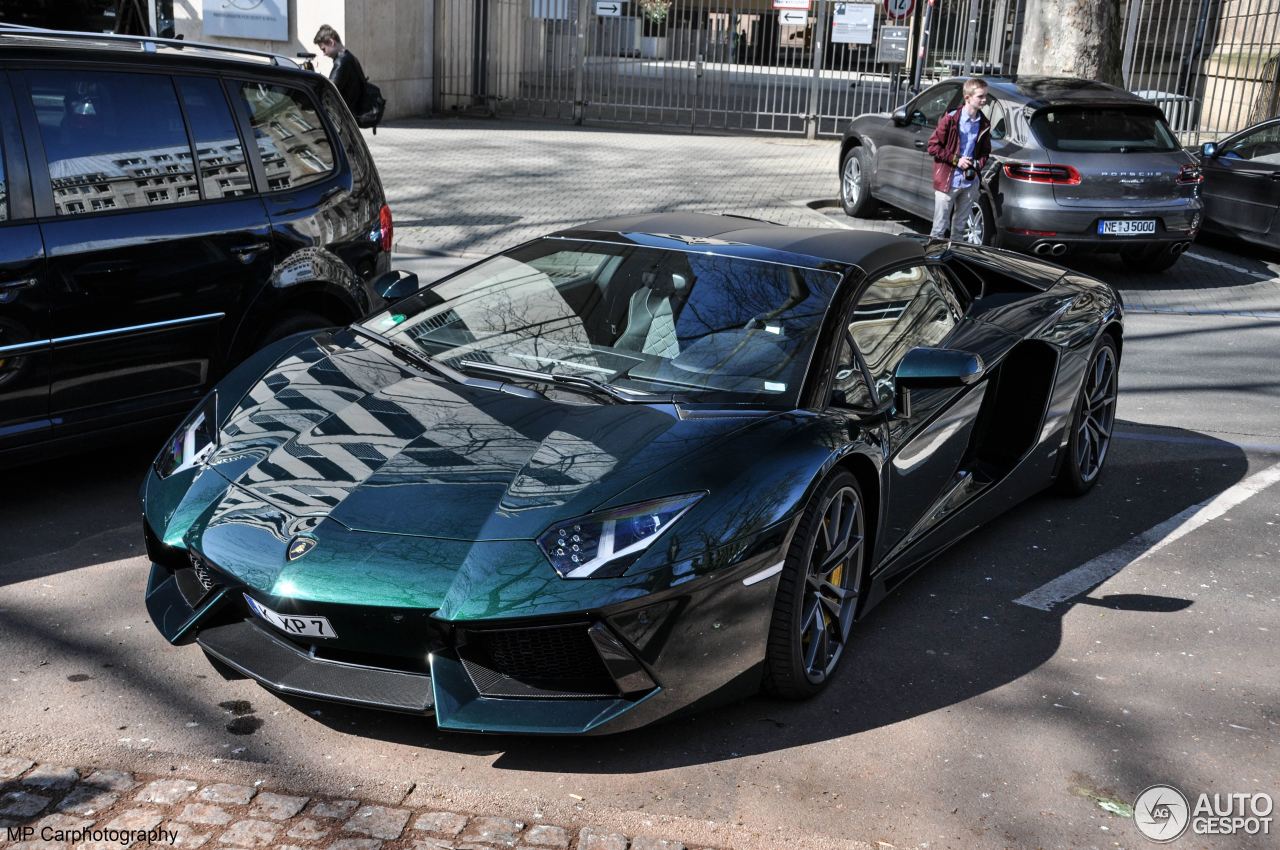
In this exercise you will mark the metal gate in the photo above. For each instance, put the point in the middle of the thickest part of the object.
(733, 65)
(1212, 65)
(743, 66)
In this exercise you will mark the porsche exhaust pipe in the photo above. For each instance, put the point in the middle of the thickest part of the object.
(1041, 249)
(1058, 249)
(1180, 247)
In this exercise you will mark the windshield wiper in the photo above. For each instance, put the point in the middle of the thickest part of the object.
(580, 382)
(417, 358)
(430, 364)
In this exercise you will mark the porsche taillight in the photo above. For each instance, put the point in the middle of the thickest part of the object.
(386, 227)
(1190, 175)
(1042, 172)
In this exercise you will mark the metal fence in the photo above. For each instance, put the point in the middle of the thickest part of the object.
(1212, 65)
(743, 66)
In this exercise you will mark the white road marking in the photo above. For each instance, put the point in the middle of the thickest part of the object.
(1087, 575)
(1202, 258)
(767, 572)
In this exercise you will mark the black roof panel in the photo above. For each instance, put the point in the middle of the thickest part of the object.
(813, 246)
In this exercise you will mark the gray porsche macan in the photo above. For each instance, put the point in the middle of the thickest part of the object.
(1076, 166)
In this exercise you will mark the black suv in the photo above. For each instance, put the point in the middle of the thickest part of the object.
(166, 208)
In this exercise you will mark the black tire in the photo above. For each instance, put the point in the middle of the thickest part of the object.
(1092, 421)
(1153, 258)
(292, 323)
(813, 617)
(855, 183)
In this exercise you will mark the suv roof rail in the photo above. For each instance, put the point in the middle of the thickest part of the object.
(143, 43)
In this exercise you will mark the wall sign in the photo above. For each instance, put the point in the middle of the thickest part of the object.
(853, 23)
(261, 19)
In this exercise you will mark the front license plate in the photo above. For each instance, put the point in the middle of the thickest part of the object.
(298, 625)
(1127, 227)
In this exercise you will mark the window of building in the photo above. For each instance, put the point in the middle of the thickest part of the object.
(214, 131)
(4, 190)
(105, 127)
(310, 154)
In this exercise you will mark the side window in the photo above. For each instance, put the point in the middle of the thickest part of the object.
(996, 115)
(1259, 146)
(290, 136)
(900, 311)
(357, 154)
(849, 384)
(113, 141)
(932, 105)
(223, 170)
(4, 188)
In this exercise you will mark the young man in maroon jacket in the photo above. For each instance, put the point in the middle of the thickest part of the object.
(960, 145)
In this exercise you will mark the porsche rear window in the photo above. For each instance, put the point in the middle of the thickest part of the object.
(1095, 130)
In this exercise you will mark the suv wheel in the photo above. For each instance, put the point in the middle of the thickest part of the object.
(292, 323)
(979, 224)
(855, 183)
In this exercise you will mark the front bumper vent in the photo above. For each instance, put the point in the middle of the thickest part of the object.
(548, 662)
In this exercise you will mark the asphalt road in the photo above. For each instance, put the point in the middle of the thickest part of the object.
(964, 719)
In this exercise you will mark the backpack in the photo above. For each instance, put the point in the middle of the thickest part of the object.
(372, 105)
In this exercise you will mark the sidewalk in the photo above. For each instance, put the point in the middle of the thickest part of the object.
(52, 806)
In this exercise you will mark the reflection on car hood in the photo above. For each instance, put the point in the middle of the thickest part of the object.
(346, 434)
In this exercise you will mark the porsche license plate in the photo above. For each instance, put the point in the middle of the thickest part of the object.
(298, 625)
(1127, 227)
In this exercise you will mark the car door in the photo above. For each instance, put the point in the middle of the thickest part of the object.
(905, 308)
(24, 296)
(1241, 187)
(904, 166)
(152, 248)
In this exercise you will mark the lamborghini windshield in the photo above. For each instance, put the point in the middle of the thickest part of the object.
(696, 326)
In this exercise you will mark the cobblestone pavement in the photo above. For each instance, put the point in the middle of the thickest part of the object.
(53, 806)
(471, 187)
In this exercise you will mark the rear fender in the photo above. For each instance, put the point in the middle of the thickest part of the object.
(311, 280)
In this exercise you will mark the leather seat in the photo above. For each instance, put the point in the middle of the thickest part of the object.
(651, 315)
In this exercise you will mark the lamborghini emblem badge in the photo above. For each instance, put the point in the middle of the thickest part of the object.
(300, 546)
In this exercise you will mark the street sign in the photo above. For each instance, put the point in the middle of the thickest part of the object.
(852, 23)
(792, 4)
(610, 9)
(796, 18)
(892, 46)
(899, 8)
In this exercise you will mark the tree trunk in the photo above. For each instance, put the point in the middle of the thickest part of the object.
(1073, 38)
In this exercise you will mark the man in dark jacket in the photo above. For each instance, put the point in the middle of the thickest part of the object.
(346, 75)
(960, 146)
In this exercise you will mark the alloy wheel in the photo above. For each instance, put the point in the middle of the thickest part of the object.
(831, 583)
(1097, 414)
(974, 226)
(851, 185)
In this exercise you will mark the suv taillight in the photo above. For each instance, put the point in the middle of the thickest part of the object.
(1042, 172)
(386, 226)
(1190, 174)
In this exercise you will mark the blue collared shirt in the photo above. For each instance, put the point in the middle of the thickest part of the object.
(968, 141)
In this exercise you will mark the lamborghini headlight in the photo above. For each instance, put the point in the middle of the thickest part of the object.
(605, 543)
(193, 442)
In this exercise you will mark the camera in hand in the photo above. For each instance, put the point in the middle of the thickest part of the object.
(970, 173)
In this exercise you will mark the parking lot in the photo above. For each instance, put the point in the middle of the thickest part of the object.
(1018, 692)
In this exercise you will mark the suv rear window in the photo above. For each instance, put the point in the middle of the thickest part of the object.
(290, 136)
(1095, 130)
